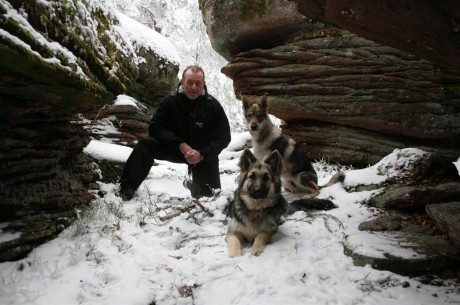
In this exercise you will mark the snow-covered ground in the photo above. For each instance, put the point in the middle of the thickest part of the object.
(162, 248)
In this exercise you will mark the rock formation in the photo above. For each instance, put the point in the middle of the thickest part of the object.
(341, 96)
(428, 29)
(60, 63)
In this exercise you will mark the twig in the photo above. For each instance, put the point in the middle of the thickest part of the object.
(96, 117)
(197, 202)
(169, 216)
(184, 241)
(326, 223)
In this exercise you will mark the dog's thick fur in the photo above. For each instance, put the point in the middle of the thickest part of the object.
(298, 174)
(258, 205)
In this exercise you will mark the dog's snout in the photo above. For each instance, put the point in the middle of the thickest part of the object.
(259, 193)
(254, 126)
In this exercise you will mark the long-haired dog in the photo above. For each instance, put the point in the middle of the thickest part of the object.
(298, 174)
(258, 205)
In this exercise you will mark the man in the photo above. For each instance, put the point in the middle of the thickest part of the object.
(189, 126)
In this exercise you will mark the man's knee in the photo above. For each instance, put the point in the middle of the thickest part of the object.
(207, 173)
(148, 143)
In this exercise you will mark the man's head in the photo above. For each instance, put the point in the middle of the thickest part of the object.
(193, 81)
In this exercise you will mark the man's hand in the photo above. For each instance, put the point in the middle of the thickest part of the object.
(191, 155)
(184, 148)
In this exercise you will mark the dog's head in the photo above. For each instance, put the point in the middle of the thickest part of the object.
(255, 114)
(260, 179)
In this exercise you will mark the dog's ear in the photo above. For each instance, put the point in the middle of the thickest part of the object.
(275, 161)
(245, 103)
(246, 160)
(263, 102)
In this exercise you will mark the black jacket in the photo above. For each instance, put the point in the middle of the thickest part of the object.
(200, 123)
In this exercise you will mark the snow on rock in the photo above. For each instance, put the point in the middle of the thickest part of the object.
(144, 36)
(393, 165)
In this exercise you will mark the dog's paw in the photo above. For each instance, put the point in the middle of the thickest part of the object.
(258, 248)
(234, 254)
(311, 204)
(234, 251)
(234, 245)
(257, 252)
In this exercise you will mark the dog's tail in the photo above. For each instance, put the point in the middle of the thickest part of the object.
(310, 204)
(338, 177)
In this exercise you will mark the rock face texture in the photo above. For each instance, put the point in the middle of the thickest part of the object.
(59, 63)
(428, 29)
(341, 96)
(231, 27)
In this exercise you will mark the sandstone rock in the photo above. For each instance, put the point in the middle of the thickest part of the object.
(418, 229)
(422, 28)
(382, 223)
(403, 167)
(156, 78)
(350, 99)
(404, 253)
(341, 96)
(447, 218)
(75, 66)
(416, 198)
(431, 168)
(131, 123)
(235, 26)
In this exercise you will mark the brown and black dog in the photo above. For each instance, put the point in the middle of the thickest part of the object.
(258, 206)
(298, 174)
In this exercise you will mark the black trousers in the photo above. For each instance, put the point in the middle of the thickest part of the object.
(205, 175)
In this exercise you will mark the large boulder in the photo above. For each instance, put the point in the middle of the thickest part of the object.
(339, 95)
(236, 26)
(58, 61)
(447, 218)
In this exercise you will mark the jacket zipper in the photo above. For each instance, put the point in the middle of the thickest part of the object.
(192, 124)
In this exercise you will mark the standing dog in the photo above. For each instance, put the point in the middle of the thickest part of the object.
(258, 205)
(298, 174)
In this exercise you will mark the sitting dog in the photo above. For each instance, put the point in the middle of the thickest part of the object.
(298, 174)
(258, 205)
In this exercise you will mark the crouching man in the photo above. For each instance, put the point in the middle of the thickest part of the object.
(189, 126)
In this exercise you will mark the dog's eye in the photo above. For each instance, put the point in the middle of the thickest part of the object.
(260, 115)
(252, 176)
(265, 177)
(249, 115)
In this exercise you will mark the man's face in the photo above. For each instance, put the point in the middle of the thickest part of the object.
(193, 84)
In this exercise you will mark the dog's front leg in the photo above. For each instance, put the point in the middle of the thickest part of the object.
(234, 244)
(262, 239)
